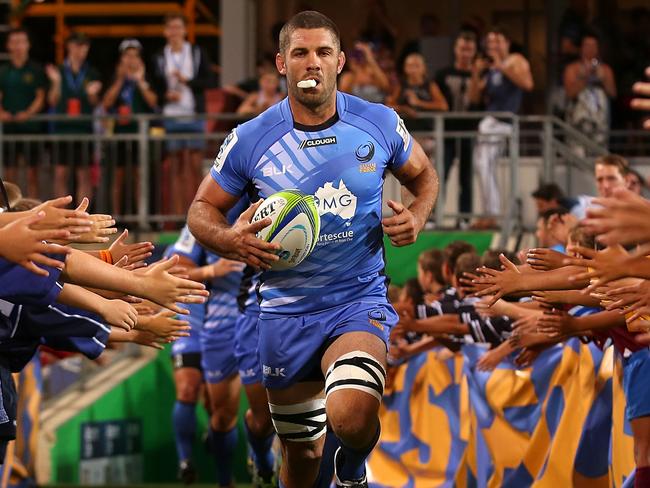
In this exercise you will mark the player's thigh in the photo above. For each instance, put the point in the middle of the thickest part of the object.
(354, 365)
(224, 396)
(188, 384)
(299, 418)
(257, 400)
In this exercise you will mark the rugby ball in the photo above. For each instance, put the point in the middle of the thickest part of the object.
(295, 225)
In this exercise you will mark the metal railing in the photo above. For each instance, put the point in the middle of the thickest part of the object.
(143, 153)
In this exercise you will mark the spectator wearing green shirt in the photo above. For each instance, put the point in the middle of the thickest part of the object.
(129, 93)
(22, 90)
(74, 91)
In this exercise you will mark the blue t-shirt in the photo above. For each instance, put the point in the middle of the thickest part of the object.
(221, 307)
(342, 163)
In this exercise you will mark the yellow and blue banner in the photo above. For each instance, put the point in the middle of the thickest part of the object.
(559, 422)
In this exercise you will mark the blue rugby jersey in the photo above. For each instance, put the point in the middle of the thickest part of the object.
(221, 307)
(342, 163)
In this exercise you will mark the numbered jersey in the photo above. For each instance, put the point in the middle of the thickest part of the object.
(342, 163)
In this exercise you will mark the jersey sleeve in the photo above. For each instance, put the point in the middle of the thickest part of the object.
(229, 167)
(400, 142)
(21, 286)
(187, 246)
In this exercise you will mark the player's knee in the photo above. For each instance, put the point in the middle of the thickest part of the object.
(354, 385)
(353, 416)
(187, 393)
(259, 421)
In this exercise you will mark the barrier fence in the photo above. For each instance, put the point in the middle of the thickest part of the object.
(138, 176)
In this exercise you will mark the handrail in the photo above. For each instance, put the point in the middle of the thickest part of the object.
(553, 136)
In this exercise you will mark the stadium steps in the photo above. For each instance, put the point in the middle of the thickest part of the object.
(77, 397)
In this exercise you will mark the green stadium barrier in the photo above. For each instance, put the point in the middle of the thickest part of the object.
(148, 395)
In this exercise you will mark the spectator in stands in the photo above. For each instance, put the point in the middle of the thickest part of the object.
(417, 93)
(267, 95)
(266, 64)
(635, 182)
(74, 90)
(181, 72)
(364, 79)
(549, 195)
(456, 84)
(502, 78)
(546, 238)
(430, 43)
(130, 92)
(610, 172)
(589, 84)
(22, 88)
(430, 275)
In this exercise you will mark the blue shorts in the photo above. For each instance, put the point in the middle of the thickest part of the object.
(187, 345)
(246, 349)
(184, 127)
(217, 352)
(636, 384)
(291, 347)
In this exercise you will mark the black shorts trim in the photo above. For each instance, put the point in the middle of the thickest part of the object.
(187, 360)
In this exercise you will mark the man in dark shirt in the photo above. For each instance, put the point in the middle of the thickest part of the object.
(455, 83)
(22, 88)
(74, 90)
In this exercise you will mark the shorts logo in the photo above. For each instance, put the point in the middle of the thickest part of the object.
(269, 371)
(322, 141)
(365, 152)
(377, 324)
(247, 373)
(377, 315)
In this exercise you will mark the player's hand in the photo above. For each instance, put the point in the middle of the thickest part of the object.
(165, 289)
(135, 253)
(545, 259)
(245, 246)
(401, 228)
(118, 313)
(164, 325)
(22, 244)
(58, 217)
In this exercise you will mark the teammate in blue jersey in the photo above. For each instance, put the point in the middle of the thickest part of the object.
(324, 324)
(189, 360)
(257, 421)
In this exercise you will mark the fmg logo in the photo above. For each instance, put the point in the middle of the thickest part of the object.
(336, 200)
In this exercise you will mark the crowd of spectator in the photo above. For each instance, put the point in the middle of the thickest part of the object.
(488, 72)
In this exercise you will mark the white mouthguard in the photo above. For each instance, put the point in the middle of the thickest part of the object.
(306, 84)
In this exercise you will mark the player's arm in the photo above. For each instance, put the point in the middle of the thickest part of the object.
(421, 180)
(207, 222)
